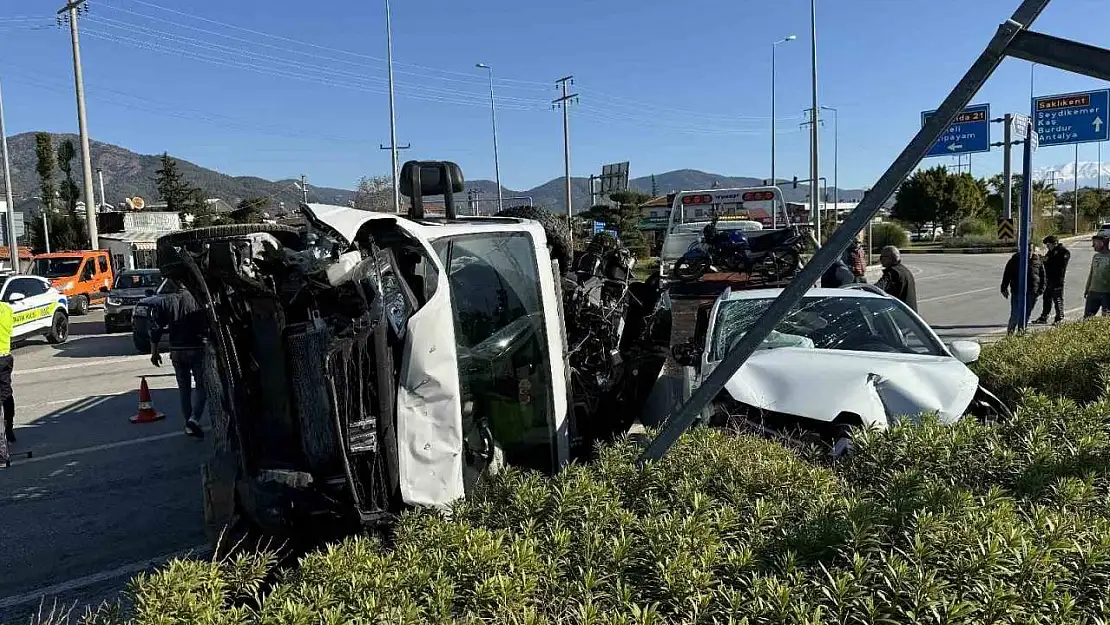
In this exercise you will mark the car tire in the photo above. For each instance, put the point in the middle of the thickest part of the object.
(557, 232)
(840, 441)
(141, 343)
(59, 328)
(81, 305)
(167, 257)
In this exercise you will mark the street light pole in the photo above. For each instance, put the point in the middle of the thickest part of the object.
(392, 110)
(774, 47)
(836, 158)
(493, 114)
(13, 243)
(814, 173)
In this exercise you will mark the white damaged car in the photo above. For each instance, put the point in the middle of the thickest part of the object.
(843, 358)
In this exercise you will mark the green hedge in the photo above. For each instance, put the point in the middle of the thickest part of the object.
(887, 233)
(925, 523)
(1071, 360)
(973, 241)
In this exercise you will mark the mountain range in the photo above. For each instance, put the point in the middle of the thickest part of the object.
(128, 174)
(1089, 174)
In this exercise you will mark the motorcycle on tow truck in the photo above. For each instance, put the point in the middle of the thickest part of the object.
(773, 257)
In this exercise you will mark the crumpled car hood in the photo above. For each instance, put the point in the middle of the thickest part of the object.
(879, 387)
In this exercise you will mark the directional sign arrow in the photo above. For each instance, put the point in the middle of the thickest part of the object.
(953, 147)
(1097, 124)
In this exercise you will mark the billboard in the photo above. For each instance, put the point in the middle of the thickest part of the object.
(614, 177)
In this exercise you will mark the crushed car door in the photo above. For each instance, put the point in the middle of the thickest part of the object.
(429, 411)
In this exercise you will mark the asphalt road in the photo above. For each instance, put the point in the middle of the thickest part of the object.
(103, 499)
(100, 494)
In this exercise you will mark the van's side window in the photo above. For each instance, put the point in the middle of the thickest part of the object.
(103, 262)
(88, 271)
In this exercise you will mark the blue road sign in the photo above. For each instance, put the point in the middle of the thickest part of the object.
(1072, 117)
(969, 133)
(599, 227)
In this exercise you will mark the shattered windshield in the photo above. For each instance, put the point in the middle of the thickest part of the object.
(867, 324)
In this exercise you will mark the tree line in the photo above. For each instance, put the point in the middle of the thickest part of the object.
(60, 197)
(943, 198)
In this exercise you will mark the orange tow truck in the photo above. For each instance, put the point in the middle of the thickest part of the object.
(84, 276)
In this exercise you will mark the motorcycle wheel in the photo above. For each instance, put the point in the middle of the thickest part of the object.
(781, 265)
(690, 268)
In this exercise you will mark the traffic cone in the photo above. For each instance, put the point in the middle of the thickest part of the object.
(147, 413)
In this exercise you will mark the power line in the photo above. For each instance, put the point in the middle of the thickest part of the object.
(504, 82)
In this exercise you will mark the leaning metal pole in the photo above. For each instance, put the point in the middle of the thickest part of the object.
(960, 96)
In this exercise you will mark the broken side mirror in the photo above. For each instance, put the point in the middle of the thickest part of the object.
(420, 178)
(687, 354)
(966, 352)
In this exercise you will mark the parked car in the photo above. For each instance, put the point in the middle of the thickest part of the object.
(38, 308)
(84, 276)
(844, 358)
(140, 317)
(130, 287)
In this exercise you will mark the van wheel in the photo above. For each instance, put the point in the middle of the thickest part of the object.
(558, 234)
(81, 305)
(59, 328)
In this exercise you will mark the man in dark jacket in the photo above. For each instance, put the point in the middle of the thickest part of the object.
(188, 329)
(1035, 287)
(837, 275)
(897, 279)
(1055, 268)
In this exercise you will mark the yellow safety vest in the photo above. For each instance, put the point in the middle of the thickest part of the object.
(6, 322)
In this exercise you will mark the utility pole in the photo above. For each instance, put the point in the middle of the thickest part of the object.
(814, 174)
(836, 156)
(304, 187)
(100, 181)
(563, 103)
(69, 13)
(393, 147)
(814, 210)
(392, 111)
(13, 243)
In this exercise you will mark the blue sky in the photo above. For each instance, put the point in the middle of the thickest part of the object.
(283, 87)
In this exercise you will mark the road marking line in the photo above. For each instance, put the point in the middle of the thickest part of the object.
(87, 450)
(96, 578)
(77, 365)
(1003, 329)
(951, 295)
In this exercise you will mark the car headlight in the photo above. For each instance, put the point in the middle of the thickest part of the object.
(114, 301)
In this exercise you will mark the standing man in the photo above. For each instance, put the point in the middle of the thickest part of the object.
(856, 259)
(1097, 289)
(188, 326)
(1035, 286)
(897, 279)
(7, 363)
(1055, 268)
(837, 275)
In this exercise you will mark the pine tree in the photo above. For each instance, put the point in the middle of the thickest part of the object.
(174, 190)
(69, 191)
(44, 165)
(654, 187)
